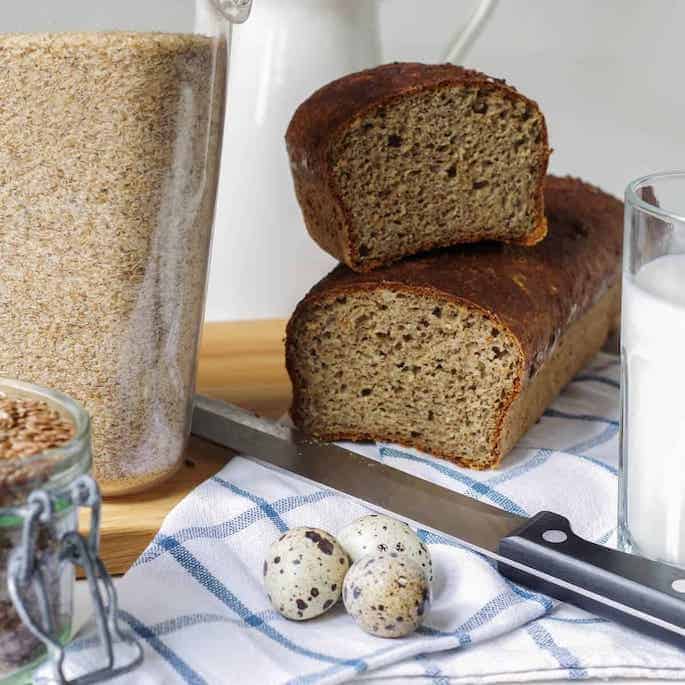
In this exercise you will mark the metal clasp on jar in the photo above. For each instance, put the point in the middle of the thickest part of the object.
(26, 574)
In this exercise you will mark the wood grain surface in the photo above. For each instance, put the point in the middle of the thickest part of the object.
(240, 362)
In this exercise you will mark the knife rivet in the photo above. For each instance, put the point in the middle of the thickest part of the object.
(678, 585)
(554, 536)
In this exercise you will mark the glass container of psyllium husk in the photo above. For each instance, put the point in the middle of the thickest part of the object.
(110, 136)
(45, 458)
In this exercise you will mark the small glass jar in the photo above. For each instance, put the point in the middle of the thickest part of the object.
(110, 129)
(40, 545)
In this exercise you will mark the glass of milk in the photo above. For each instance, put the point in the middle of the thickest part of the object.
(652, 474)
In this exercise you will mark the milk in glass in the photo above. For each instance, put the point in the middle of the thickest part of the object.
(653, 340)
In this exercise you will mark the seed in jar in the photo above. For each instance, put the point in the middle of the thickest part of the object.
(387, 595)
(107, 189)
(304, 572)
(18, 438)
(29, 427)
(378, 533)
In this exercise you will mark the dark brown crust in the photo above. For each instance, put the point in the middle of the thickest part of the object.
(535, 292)
(319, 121)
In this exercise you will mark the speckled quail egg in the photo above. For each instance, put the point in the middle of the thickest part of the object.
(304, 573)
(378, 533)
(386, 594)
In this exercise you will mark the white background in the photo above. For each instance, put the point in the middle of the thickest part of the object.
(607, 73)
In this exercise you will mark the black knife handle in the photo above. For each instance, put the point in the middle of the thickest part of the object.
(628, 589)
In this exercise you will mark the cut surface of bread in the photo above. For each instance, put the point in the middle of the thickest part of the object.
(416, 367)
(416, 157)
(459, 352)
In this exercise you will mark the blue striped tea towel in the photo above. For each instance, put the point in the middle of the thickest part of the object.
(195, 597)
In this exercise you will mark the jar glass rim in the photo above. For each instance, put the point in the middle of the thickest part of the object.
(68, 460)
(634, 200)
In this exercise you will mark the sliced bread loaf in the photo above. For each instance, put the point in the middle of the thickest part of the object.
(404, 158)
(459, 352)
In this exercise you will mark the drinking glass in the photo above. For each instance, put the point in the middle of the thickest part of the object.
(652, 469)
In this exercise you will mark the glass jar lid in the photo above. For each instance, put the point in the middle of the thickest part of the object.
(53, 469)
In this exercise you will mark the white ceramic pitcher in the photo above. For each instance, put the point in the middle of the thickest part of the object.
(288, 49)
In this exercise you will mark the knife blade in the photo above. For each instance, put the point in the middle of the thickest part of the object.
(541, 552)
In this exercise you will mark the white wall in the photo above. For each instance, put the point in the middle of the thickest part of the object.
(607, 73)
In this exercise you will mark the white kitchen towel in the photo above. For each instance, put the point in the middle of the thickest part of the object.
(195, 597)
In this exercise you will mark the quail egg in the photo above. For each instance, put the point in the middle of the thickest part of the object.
(378, 533)
(304, 573)
(386, 594)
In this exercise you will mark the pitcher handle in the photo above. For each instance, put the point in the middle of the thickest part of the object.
(462, 42)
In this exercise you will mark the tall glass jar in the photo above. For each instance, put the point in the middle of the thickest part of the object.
(110, 136)
(652, 475)
(39, 542)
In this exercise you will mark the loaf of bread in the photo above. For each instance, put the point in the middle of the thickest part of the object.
(458, 352)
(404, 158)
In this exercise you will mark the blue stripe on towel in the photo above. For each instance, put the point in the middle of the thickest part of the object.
(180, 666)
(260, 501)
(461, 634)
(502, 501)
(431, 670)
(577, 450)
(605, 366)
(489, 611)
(213, 585)
(516, 592)
(545, 641)
(597, 379)
(555, 414)
(430, 538)
(315, 677)
(486, 614)
(539, 458)
(597, 462)
(177, 623)
(593, 620)
(543, 600)
(244, 520)
(563, 656)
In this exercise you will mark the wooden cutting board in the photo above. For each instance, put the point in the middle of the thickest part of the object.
(240, 362)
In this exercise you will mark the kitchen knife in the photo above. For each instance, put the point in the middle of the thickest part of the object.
(541, 552)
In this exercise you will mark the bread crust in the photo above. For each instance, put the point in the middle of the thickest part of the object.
(537, 294)
(319, 122)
